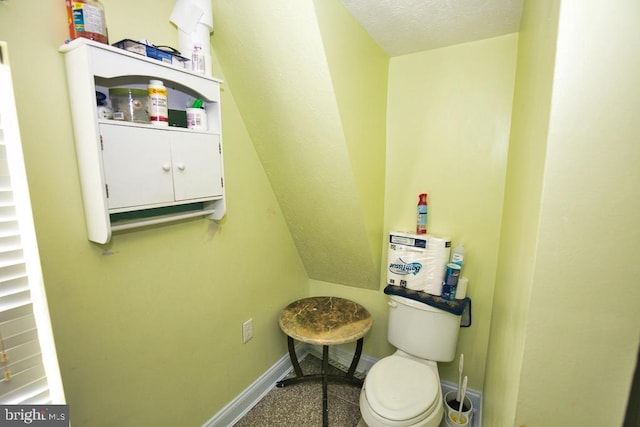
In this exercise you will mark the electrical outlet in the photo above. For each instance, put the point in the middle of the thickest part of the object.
(247, 330)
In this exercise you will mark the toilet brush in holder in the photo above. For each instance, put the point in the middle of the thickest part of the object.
(460, 367)
(457, 402)
(457, 418)
(453, 402)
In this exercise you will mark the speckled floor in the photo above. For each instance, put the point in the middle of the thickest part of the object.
(300, 405)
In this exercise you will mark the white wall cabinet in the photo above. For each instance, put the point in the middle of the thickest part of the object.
(135, 175)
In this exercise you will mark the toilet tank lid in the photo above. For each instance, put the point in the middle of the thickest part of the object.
(455, 307)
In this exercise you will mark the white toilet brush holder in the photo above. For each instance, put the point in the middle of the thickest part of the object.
(452, 405)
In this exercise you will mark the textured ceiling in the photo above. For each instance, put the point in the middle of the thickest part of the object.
(405, 26)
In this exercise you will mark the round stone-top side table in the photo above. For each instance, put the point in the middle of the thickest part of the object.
(324, 321)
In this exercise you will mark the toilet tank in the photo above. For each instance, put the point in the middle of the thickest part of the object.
(422, 330)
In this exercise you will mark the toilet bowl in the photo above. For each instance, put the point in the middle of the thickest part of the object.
(401, 391)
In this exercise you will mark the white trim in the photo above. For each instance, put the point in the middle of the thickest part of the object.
(238, 407)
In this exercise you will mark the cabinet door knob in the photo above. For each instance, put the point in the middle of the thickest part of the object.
(166, 167)
(181, 166)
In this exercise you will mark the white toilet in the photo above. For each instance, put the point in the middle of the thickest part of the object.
(404, 389)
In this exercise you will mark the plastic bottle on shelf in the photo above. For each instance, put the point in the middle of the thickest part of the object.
(458, 254)
(421, 227)
(158, 106)
(86, 19)
(461, 288)
(197, 59)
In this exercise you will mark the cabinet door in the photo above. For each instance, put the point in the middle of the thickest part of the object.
(137, 166)
(196, 166)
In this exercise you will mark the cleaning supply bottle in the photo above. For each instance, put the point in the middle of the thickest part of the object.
(158, 106)
(421, 227)
(458, 254)
(86, 19)
(197, 59)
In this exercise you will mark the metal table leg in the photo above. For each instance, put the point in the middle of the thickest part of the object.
(325, 373)
(356, 358)
(293, 356)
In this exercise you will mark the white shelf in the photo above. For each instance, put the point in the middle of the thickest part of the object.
(116, 158)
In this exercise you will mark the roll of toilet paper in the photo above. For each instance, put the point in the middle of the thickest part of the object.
(461, 288)
(438, 251)
(194, 19)
(187, 13)
(417, 261)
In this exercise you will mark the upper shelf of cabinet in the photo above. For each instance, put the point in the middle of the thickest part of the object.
(110, 62)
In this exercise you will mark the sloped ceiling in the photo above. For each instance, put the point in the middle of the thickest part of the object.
(309, 78)
(405, 26)
(309, 137)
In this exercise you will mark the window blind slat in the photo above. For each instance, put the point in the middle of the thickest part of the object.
(9, 242)
(9, 302)
(6, 197)
(31, 354)
(16, 321)
(7, 213)
(23, 385)
(13, 285)
(10, 258)
(42, 398)
(22, 338)
(4, 171)
(9, 226)
(11, 272)
(21, 353)
(5, 182)
(21, 366)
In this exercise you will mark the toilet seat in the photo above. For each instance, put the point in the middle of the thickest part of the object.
(399, 388)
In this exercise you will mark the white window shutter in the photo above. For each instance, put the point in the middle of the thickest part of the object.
(30, 374)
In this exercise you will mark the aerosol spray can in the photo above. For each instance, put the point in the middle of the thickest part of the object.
(421, 227)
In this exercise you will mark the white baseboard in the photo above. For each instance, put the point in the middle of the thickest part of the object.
(238, 407)
(338, 355)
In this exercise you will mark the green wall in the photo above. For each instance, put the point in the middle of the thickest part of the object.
(449, 120)
(448, 132)
(584, 301)
(148, 328)
(565, 327)
(527, 151)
